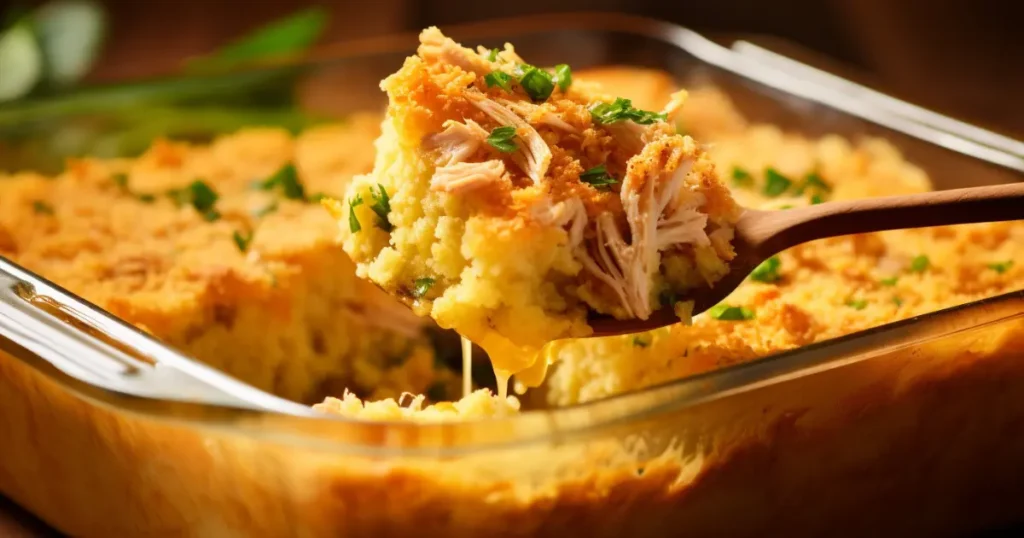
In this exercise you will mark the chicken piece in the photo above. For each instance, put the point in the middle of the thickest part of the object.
(587, 200)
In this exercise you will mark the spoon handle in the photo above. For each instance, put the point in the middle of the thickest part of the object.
(768, 232)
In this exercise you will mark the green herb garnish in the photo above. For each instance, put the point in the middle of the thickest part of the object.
(500, 79)
(242, 241)
(200, 195)
(640, 342)
(741, 178)
(537, 83)
(814, 182)
(725, 312)
(775, 183)
(622, 110)
(287, 180)
(563, 76)
(767, 271)
(288, 35)
(857, 304)
(492, 55)
(1001, 267)
(598, 177)
(146, 198)
(817, 199)
(42, 207)
(317, 197)
(353, 222)
(121, 180)
(897, 301)
(920, 264)
(502, 139)
(381, 206)
(265, 210)
(421, 286)
(891, 281)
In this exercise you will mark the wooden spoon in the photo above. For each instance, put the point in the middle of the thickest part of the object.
(762, 234)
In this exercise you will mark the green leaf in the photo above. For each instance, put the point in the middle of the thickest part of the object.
(499, 78)
(200, 195)
(817, 199)
(775, 183)
(598, 177)
(563, 77)
(640, 342)
(21, 62)
(920, 264)
(289, 35)
(70, 35)
(353, 222)
(741, 178)
(242, 241)
(890, 282)
(1001, 267)
(897, 301)
(266, 210)
(121, 180)
(381, 206)
(421, 286)
(287, 180)
(622, 110)
(42, 207)
(767, 271)
(537, 83)
(492, 55)
(857, 304)
(502, 139)
(724, 312)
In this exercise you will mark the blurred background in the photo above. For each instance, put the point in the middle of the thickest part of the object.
(963, 58)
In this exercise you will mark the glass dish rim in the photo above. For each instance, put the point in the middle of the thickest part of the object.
(561, 423)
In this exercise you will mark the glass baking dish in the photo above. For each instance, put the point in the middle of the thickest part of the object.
(909, 428)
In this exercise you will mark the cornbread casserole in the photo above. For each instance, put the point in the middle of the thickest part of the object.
(192, 244)
(508, 203)
(924, 440)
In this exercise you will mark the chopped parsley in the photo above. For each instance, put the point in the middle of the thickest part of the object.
(121, 180)
(421, 286)
(891, 281)
(640, 342)
(920, 264)
(537, 83)
(767, 271)
(492, 55)
(775, 183)
(42, 207)
(265, 210)
(812, 181)
(500, 79)
(381, 206)
(741, 178)
(201, 196)
(817, 199)
(287, 180)
(146, 198)
(242, 240)
(724, 312)
(563, 76)
(501, 139)
(897, 301)
(1001, 267)
(857, 304)
(622, 110)
(598, 177)
(353, 222)
(317, 197)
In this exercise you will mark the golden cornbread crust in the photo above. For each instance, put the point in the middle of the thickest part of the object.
(287, 315)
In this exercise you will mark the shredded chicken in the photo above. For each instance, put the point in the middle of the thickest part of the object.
(436, 47)
(539, 114)
(534, 155)
(629, 135)
(458, 142)
(462, 177)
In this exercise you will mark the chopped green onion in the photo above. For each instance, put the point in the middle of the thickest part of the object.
(381, 206)
(817, 199)
(725, 312)
(897, 301)
(537, 83)
(1001, 267)
(622, 110)
(201, 196)
(42, 207)
(598, 177)
(891, 281)
(265, 210)
(499, 78)
(563, 76)
(920, 264)
(421, 286)
(501, 139)
(857, 304)
(741, 178)
(146, 198)
(785, 207)
(775, 183)
(287, 179)
(767, 271)
(353, 222)
(242, 241)
(492, 55)
(814, 182)
(317, 197)
(640, 342)
(121, 180)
